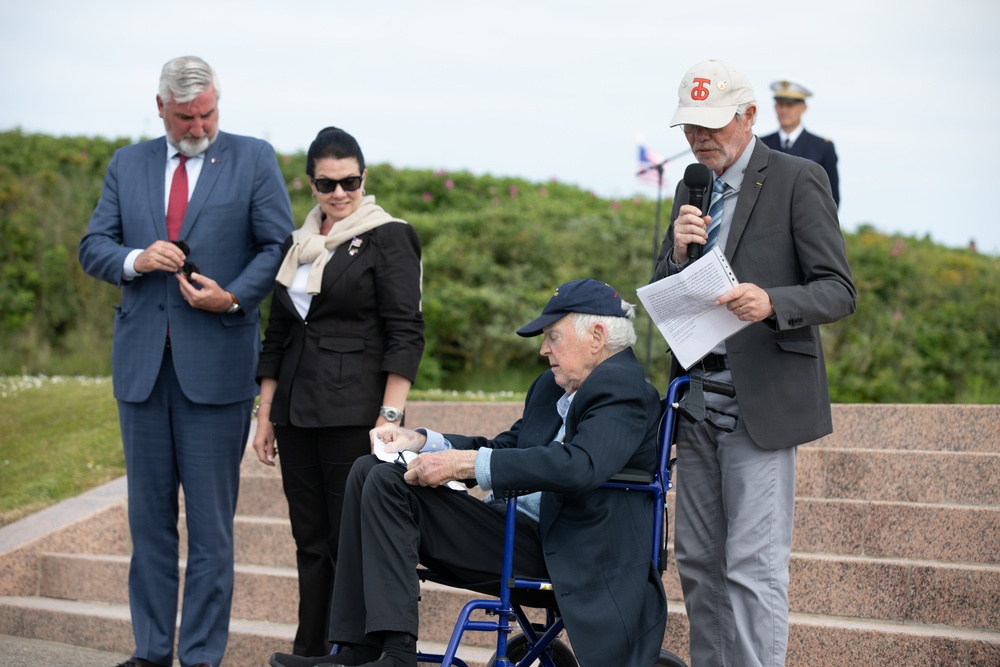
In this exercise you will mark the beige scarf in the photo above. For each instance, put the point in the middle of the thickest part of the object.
(308, 245)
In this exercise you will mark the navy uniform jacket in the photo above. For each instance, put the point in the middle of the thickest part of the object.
(597, 542)
(814, 148)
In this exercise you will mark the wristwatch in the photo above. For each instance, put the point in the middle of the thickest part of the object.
(390, 413)
(234, 307)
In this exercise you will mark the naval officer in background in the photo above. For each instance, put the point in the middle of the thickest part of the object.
(794, 139)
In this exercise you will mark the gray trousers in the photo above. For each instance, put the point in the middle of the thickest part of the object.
(732, 540)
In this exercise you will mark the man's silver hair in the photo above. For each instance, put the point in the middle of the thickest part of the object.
(742, 109)
(621, 332)
(185, 78)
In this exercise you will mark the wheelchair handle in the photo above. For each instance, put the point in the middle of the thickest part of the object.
(714, 387)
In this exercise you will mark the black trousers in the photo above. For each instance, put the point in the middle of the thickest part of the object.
(315, 464)
(389, 526)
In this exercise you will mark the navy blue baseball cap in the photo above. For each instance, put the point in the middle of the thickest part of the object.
(577, 296)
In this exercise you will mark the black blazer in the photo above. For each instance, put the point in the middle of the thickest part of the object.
(597, 542)
(817, 149)
(366, 322)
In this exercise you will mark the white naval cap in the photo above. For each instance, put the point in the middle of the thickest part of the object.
(788, 90)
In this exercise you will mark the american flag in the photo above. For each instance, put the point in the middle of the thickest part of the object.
(646, 171)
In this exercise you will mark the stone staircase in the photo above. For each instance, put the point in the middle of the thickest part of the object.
(896, 556)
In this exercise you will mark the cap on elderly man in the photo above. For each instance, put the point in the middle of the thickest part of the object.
(789, 91)
(577, 296)
(709, 95)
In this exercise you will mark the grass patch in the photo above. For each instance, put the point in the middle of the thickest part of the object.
(59, 437)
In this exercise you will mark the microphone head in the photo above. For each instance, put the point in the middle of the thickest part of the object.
(697, 176)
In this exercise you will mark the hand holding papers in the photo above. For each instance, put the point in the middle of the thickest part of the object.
(683, 307)
(403, 458)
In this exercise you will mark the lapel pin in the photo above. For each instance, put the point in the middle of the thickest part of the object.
(355, 245)
(214, 160)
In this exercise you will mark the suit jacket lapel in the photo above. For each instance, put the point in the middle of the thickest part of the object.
(210, 172)
(335, 268)
(753, 181)
(156, 165)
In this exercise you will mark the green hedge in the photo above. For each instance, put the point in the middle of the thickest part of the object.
(926, 329)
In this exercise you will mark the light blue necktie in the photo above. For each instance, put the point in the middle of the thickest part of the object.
(715, 210)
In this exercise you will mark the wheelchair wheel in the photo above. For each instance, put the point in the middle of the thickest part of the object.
(668, 659)
(517, 648)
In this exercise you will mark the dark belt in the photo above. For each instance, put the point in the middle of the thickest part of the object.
(712, 363)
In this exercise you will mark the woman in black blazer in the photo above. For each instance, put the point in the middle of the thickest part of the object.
(342, 347)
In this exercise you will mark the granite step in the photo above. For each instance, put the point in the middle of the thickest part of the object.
(814, 641)
(874, 588)
(896, 558)
(108, 627)
(914, 476)
(920, 531)
(938, 427)
(908, 476)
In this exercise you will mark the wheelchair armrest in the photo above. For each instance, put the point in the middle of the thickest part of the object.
(633, 476)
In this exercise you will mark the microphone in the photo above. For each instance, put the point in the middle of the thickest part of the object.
(698, 180)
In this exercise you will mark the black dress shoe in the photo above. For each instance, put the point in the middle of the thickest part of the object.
(289, 660)
(349, 655)
(139, 662)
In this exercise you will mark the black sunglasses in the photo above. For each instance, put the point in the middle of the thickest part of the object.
(329, 185)
(189, 267)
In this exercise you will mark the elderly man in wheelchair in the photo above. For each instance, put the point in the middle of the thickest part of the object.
(587, 418)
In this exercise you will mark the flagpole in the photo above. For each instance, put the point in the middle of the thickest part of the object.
(656, 237)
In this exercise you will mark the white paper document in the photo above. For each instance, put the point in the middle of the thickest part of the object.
(404, 458)
(683, 307)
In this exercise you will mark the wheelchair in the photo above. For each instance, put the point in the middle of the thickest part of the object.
(538, 642)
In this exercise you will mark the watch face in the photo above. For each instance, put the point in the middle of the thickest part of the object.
(391, 414)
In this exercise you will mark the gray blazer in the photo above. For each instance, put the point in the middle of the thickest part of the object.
(785, 238)
(238, 215)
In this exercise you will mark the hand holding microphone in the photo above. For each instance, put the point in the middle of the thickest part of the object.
(698, 180)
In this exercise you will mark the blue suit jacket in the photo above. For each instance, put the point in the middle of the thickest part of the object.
(597, 542)
(237, 217)
(816, 149)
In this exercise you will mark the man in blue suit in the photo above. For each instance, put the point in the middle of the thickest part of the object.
(186, 341)
(794, 139)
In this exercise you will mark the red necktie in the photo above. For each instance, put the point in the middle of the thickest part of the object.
(178, 200)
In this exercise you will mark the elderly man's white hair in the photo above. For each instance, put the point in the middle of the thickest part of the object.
(621, 333)
(185, 78)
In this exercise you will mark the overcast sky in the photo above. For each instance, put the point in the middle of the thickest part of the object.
(908, 91)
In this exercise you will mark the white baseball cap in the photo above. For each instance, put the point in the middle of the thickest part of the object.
(709, 95)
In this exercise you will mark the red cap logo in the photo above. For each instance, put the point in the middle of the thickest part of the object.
(699, 93)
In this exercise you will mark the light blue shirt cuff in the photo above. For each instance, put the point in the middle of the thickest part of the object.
(483, 475)
(128, 269)
(436, 442)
